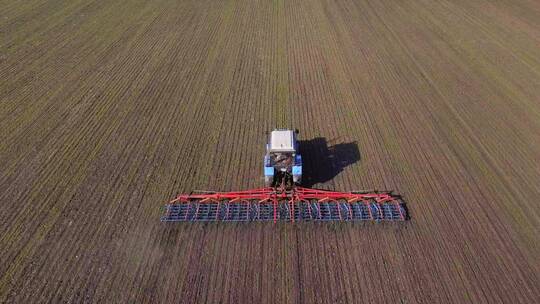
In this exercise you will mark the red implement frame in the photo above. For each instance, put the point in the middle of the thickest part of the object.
(294, 198)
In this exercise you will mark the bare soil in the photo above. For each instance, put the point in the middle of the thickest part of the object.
(110, 108)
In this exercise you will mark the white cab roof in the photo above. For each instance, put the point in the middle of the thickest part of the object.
(282, 141)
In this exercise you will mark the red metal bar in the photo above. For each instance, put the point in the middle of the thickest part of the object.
(296, 194)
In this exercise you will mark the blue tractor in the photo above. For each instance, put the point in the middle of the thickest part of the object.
(282, 162)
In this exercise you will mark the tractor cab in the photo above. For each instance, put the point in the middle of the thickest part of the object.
(282, 162)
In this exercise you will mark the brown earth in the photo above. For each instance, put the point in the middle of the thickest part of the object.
(110, 108)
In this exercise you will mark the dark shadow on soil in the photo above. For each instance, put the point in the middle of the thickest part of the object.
(322, 162)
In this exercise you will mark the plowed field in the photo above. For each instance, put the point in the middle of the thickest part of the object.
(110, 108)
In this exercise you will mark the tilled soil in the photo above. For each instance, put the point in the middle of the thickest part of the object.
(111, 108)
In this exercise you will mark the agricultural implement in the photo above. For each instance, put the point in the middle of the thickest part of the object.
(283, 199)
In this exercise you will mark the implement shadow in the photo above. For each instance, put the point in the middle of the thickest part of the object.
(321, 163)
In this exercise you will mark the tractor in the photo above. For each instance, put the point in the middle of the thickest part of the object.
(283, 198)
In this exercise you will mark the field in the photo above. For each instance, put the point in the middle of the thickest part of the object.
(108, 109)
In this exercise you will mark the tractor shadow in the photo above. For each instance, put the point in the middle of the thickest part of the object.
(321, 162)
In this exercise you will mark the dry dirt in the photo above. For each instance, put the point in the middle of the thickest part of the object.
(110, 108)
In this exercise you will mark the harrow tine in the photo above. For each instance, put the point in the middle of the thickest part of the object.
(339, 210)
